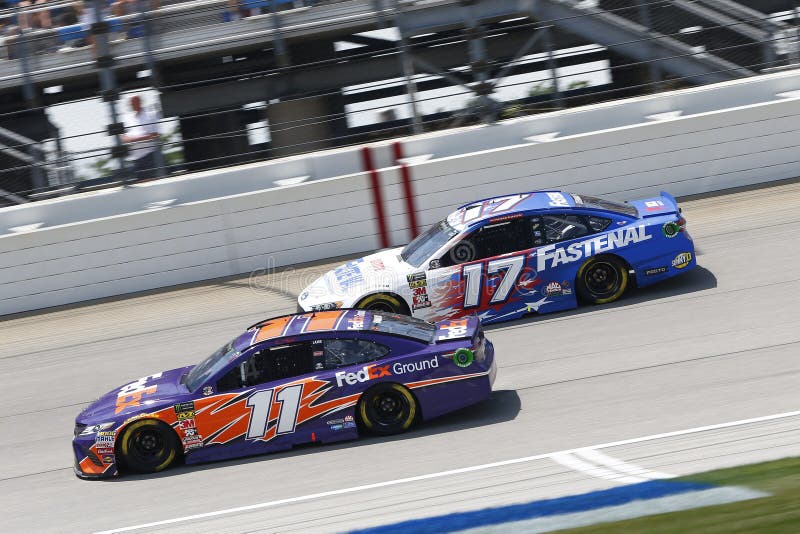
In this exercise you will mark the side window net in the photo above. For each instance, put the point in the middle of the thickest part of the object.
(488, 241)
(598, 224)
(344, 352)
(564, 227)
(277, 363)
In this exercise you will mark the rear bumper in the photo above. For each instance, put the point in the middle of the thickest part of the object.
(679, 259)
(492, 373)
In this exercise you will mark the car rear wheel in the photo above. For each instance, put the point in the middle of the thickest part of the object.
(148, 446)
(387, 409)
(383, 302)
(602, 279)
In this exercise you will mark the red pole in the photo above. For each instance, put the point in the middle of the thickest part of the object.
(408, 190)
(377, 197)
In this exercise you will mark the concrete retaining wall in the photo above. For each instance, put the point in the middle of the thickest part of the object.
(238, 220)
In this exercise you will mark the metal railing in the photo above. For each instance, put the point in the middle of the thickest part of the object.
(750, 42)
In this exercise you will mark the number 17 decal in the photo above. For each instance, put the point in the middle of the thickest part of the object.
(260, 404)
(473, 276)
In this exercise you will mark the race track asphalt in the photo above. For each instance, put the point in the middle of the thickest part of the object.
(717, 345)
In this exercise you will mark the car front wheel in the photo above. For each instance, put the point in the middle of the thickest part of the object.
(148, 446)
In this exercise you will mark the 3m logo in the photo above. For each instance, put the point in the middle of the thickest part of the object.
(368, 372)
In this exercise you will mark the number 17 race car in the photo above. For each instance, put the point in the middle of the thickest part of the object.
(504, 257)
(316, 377)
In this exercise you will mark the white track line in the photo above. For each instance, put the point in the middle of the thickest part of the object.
(441, 474)
(573, 462)
(618, 465)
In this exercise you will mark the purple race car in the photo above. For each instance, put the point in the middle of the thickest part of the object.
(315, 377)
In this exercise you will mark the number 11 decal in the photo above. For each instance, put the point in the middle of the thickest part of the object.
(260, 404)
(473, 276)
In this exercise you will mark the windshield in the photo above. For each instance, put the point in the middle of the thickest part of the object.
(419, 250)
(403, 325)
(210, 366)
(604, 204)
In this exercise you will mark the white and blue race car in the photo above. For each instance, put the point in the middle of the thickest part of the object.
(504, 257)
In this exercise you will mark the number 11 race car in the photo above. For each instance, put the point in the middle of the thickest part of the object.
(316, 377)
(504, 257)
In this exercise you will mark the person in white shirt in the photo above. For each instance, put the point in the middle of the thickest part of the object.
(141, 136)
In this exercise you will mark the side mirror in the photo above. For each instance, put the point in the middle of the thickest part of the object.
(434, 264)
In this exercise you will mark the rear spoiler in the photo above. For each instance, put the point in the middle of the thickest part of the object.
(457, 329)
(664, 204)
(669, 197)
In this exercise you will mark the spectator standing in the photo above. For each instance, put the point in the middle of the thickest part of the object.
(142, 138)
(36, 19)
(121, 8)
(9, 33)
(241, 9)
(86, 15)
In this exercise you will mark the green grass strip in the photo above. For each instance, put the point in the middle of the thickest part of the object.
(777, 514)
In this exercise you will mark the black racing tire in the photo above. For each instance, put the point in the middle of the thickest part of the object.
(148, 446)
(602, 279)
(387, 409)
(384, 302)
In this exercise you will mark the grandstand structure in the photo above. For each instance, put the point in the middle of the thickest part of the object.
(220, 66)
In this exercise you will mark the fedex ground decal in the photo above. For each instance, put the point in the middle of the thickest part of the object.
(371, 372)
(551, 256)
(368, 372)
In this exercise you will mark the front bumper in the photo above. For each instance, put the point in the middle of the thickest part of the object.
(325, 295)
(92, 462)
(92, 476)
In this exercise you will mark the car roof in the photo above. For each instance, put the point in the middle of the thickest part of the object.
(502, 208)
(497, 207)
(311, 322)
(531, 200)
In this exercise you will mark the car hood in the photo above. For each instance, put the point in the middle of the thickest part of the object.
(376, 271)
(146, 394)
